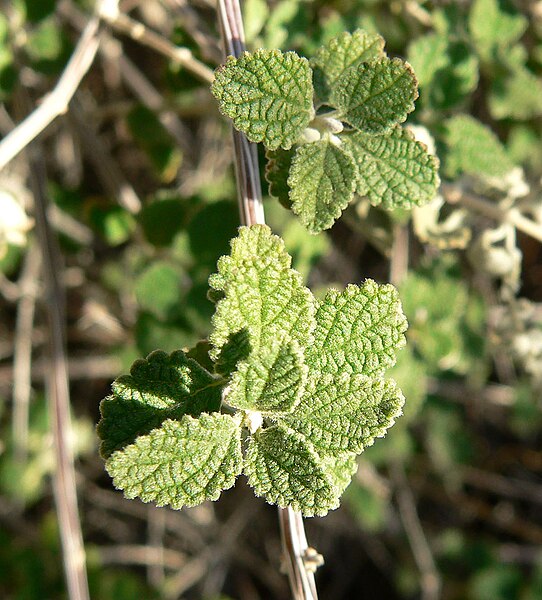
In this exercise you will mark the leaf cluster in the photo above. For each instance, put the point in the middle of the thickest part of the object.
(331, 126)
(291, 391)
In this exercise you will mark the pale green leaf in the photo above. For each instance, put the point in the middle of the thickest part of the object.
(358, 331)
(339, 466)
(428, 54)
(282, 466)
(261, 294)
(340, 53)
(183, 463)
(375, 96)
(346, 412)
(516, 95)
(322, 181)
(395, 171)
(491, 26)
(268, 95)
(269, 381)
(161, 387)
(474, 149)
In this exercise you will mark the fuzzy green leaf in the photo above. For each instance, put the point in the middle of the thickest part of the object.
(268, 95)
(161, 387)
(283, 466)
(340, 53)
(181, 464)
(322, 181)
(339, 466)
(474, 149)
(347, 412)
(358, 331)
(375, 96)
(262, 295)
(395, 171)
(269, 381)
(277, 170)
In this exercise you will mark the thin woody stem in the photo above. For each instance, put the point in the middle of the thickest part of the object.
(297, 554)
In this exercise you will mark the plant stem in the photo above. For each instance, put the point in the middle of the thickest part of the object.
(73, 551)
(296, 553)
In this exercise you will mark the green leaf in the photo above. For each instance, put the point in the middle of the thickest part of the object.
(160, 148)
(346, 412)
(269, 381)
(157, 289)
(283, 466)
(268, 95)
(395, 171)
(181, 464)
(339, 467)
(163, 219)
(261, 293)
(160, 387)
(358, 331)
(322, 181)
(453, 83)
(375, 96)
(428, 54)
(516, 95)
(276, 173)
(340, 53)
(474, 149)
(491, 26)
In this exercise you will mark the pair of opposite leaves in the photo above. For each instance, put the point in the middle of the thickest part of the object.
(288, 391)
(349, 141)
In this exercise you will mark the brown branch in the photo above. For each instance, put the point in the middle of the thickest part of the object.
(55, 103)
(487, 208)
(22, 355)
(430, 578)
(301, 561)
(58, 391)
(142, 34)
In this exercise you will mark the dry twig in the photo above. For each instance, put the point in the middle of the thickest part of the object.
(55, 103)
(58, 391)
(22, 355)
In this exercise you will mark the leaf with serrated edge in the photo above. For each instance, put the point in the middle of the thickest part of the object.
(346, 413)
(183, 463)
(322, 181)
(162, 386)
(375, 96)
(282, 466)
(262, 293)
(341, 52)
(268, 95)
(357, 331)
(395, 170)
(269, 381)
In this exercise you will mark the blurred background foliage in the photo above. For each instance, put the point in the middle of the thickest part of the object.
(144, 202)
